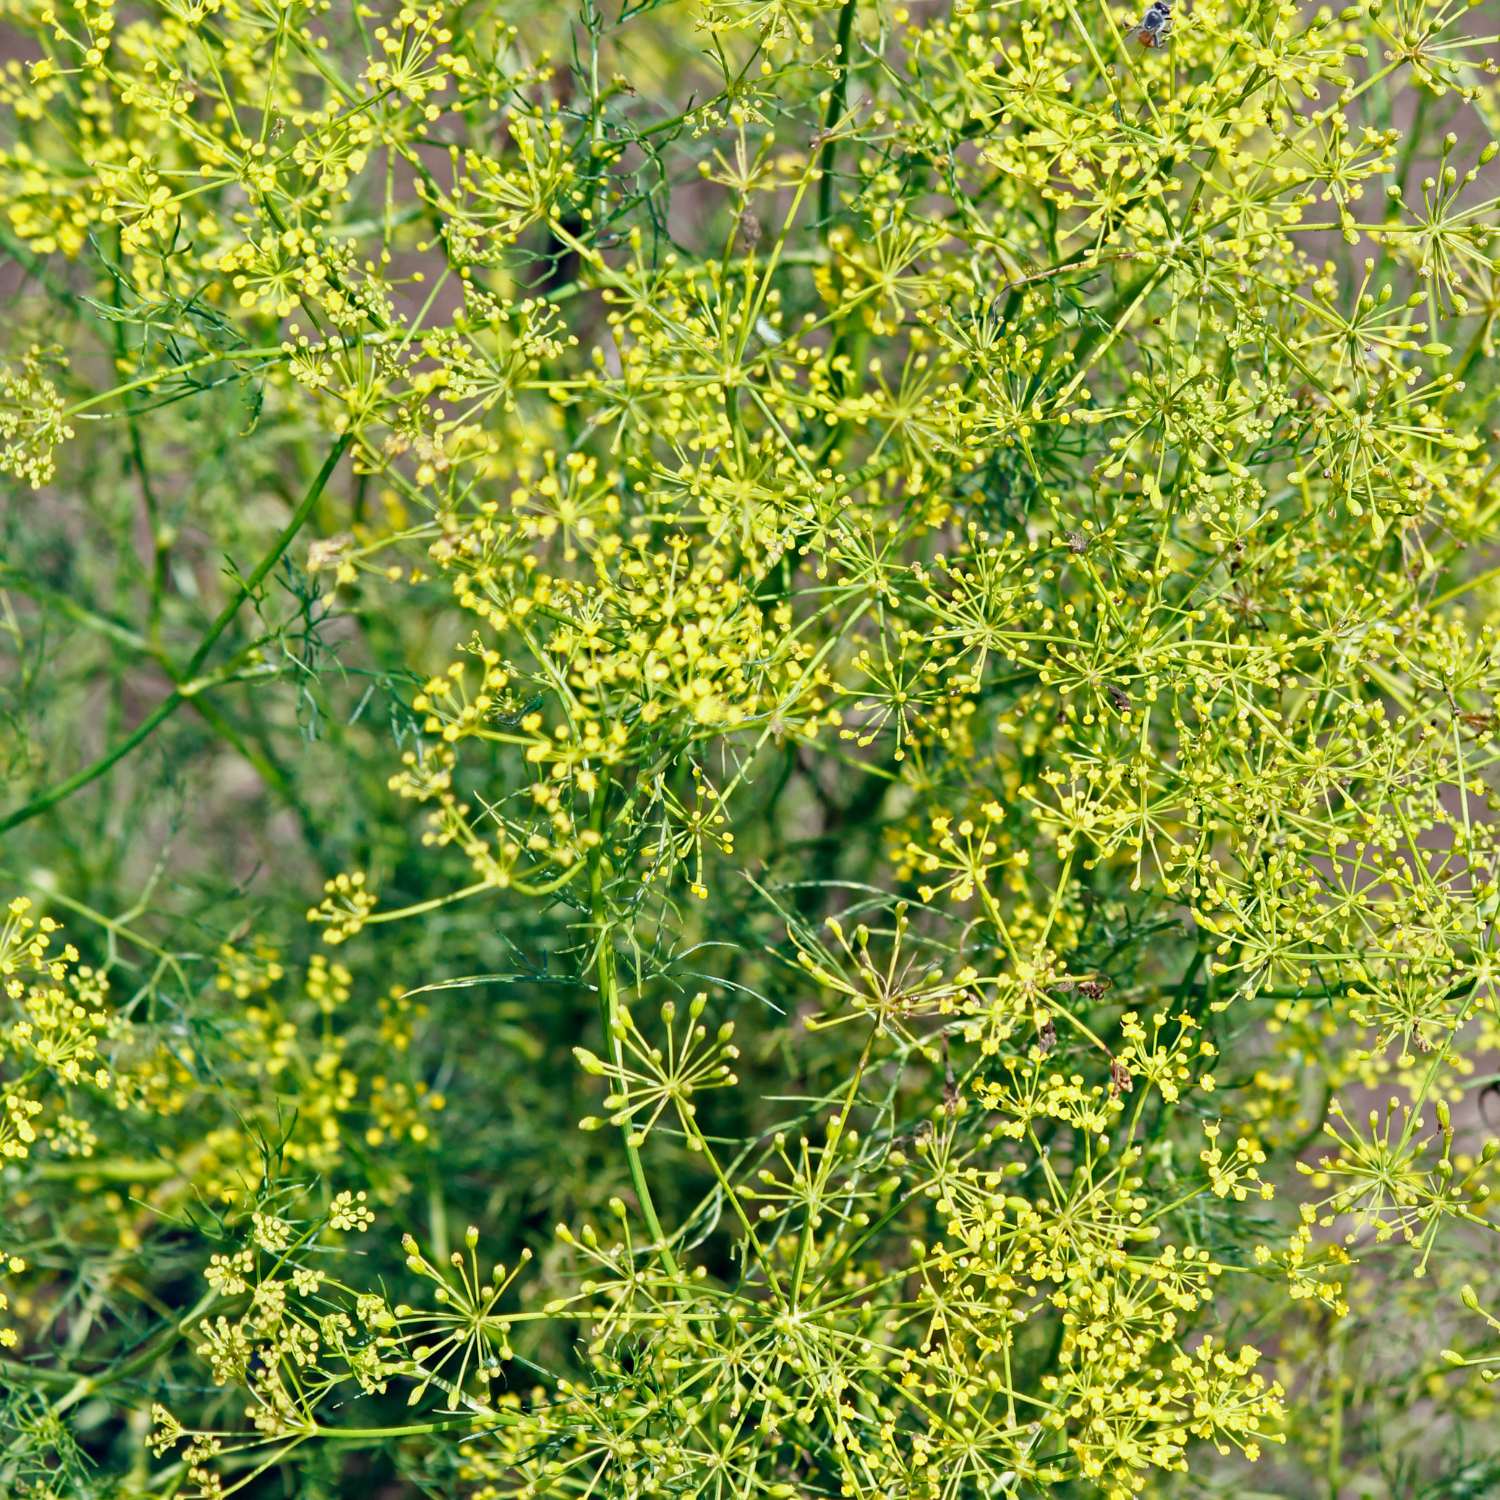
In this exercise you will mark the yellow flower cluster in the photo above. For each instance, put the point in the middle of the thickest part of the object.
(879, 630)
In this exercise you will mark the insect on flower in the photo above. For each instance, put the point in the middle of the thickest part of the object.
(1156, 25)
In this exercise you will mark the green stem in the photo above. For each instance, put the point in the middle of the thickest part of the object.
(156, 377)
(87, 1385)
(259, 754)
(15, 1375)
(375, 1434)
(157, 578)
(187, 687)
(835, 110)
(609, 1010)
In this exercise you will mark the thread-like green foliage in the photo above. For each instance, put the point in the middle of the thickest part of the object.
(831, 668)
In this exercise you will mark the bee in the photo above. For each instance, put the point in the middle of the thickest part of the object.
(1156, 25)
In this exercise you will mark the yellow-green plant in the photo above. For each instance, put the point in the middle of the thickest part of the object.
(767, 733)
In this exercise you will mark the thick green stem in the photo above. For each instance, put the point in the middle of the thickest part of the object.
(835, 110)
